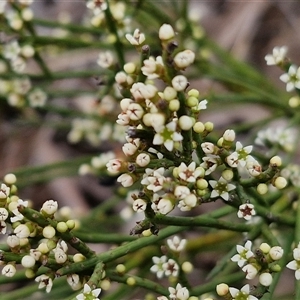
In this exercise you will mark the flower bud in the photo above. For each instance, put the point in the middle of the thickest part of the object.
(262, 188)
(276, 252)
(222, 289)
(78, 257)
(265, 248)
(120, 268)
(49, 207)
(62, 227)
(276, 160)
(199, 127)
(9, 270)
(28, 261)
(130, 281)
(229, 135)
(166, 32)
(280, 182)
(10, 179)
(187, 267)
(186, 122)
(48, 232)
(265, 279)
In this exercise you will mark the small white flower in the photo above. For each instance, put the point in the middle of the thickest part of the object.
(167, 135)
(105, 59)
(244, 293)
(152, 67)
(277, 57)
(176, 244)
(139, 205)
(246, 211)
(9, 270)
(189, 173)
(125, 179)
(37, 98)
(114, 166)
(164, 205)
(221, 188)
(22, 231)
(4, 191)
(179, 293)
(88, 293)
(250, 271)
(44, 282)
(3, 214)
(141, 91)
(244, 253)
(158, 266)
(135, 111)
(3, 227)
(184, 59)
(291, 78)
(136, 39)
(171, 268)
(208, 148)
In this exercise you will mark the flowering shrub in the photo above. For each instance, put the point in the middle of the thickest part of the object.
(192, 186)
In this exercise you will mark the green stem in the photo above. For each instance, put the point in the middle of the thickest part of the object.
(120, 251)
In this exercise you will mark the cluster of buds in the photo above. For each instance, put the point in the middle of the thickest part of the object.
(37, 239)
(264, 261)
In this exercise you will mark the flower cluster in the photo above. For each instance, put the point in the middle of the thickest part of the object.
(263, 261)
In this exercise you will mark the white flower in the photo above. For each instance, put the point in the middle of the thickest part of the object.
(89, 294)
(50, 207)
(176, 244)
(244, 293)
(97, 6)
(277, 57)
(152, 67)
(167, 135)
(105, 59)
(253, 167)
(3, 214)
(250, 271)
(208, 148)
(114, 166)
(139, 205)
(22, 231)
(240, 156)
(37, 98)
(171, 268)
(11, 50)
(189, 173)
(44, 282)
(210, 163)
(291, 78)
(135, 111)
(246, 211)
(179, 293)
(74, 281)
(141, 91)
(158, 266)
(221, 188)
(164, 205)
(9, 270)
(4, 191)
(125, 179)
(3, 227)
(202, 105)
(136, 39)
(244, 253)
(181, 191)
(184, 59)
(179, 83)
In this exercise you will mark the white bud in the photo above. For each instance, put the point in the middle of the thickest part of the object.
(49, 232)
(222, 289)
(186, 122)
(22, 231)
(280, 182)
(179, 83)
(49, 207)
(229, 135)
(28, 261)
(276, 252)
(166, 32)
(126, 180)
(265, 279)
(10, 178)
(143, 159)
